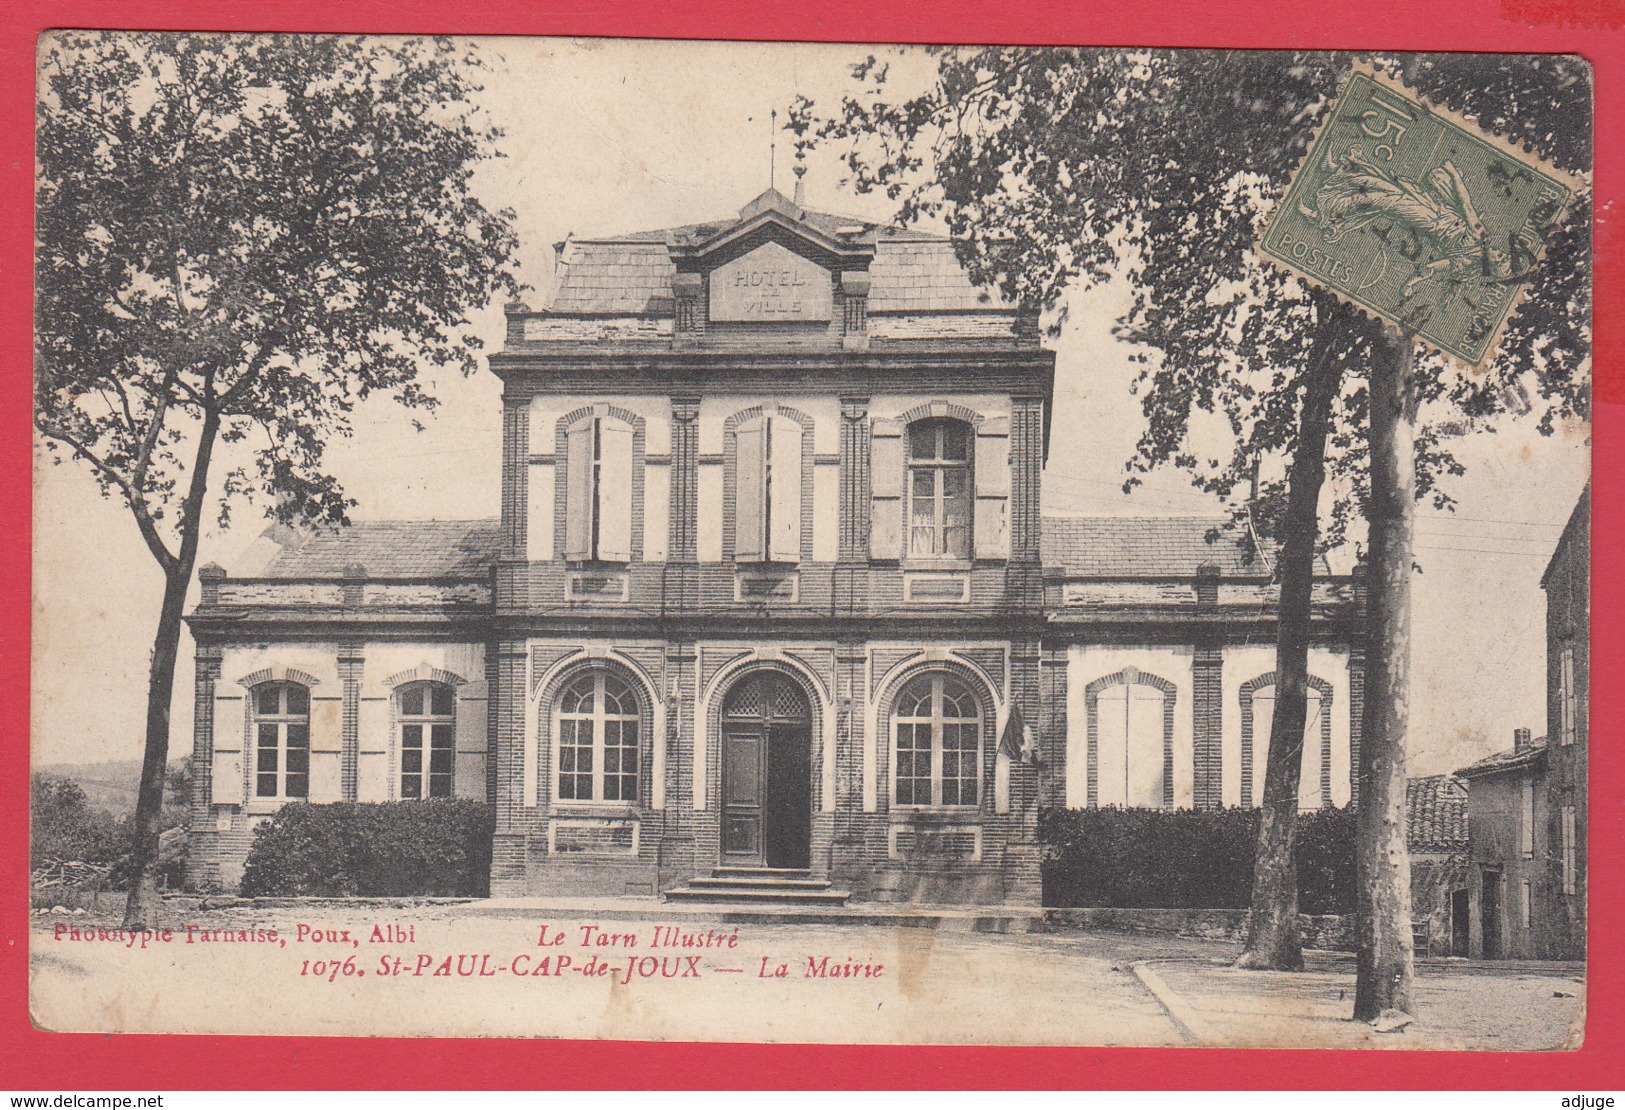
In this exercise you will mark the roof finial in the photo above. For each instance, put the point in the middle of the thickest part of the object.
(773, 150)
(801, 171)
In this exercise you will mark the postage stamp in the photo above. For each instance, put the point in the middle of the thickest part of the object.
(1417, 216)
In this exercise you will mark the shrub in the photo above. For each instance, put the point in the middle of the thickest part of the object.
(1186, 859)
(439, 847)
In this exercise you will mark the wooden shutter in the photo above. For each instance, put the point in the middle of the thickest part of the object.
(578, 495)
(785, 454)
(992, 482)
(750, 456)
(614, 492)
(886, 468)
(226, 778)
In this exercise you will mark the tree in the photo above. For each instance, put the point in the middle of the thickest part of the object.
(238, 239)
(64, 827)
(1055, 167)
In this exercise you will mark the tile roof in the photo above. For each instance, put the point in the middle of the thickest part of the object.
(1510, 760)
(1145, 547)
(389, 549)
(1436, 813)
(631, 274)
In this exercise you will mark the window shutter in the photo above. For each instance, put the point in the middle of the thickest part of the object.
(226, 778)
(886, 490)
(785, 440)
(992, 463)
(578, 505)
(749, 459)
(614, 492)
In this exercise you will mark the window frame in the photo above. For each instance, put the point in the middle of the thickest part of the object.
(939, 465)
(282, 719)
(598, 747)
(426, 721)
(1568, 702)
(937, 724)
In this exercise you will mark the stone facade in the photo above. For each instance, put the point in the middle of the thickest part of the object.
(771, 590)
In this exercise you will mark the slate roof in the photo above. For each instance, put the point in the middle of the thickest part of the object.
(1144, 547)
(1436, 813)
(1509, 760)
(389, 549)
(631, 274)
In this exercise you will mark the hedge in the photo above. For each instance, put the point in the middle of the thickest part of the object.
(437, 847)
(1187, 859)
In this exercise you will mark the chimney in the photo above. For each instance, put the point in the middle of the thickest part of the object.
(1520, 740)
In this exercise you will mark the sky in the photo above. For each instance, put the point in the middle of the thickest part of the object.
(611, 136)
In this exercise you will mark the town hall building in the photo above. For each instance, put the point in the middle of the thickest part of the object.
(772, 608)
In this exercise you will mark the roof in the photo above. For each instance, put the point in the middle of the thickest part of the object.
(1579, 518)
(387, 549)
(1436, 813)
(1512, 759)
(631, 274)
(1146, 547)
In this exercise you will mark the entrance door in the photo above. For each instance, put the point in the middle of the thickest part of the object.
(1489, 912)
(1460, 922)
(767, 773)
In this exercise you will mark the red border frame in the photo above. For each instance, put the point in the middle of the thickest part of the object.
(61, 1062)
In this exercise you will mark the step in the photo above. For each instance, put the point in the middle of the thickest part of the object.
(719, 881)
(760, 872)
(778, 897)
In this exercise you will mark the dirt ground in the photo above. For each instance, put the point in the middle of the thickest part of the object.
(472, 970)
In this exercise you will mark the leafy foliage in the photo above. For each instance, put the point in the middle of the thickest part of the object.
(1055, 168)
(436, 847)
(1186, 859)
(255, 233)
(64, 827)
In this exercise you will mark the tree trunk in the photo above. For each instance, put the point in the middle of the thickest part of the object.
(1273, 939)
(1382, 860)
(141, 909)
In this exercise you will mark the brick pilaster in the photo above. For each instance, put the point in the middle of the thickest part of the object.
(351, 654)
(200, 869)
(515, 474)
(1052, 739)
(508, 860)
(1207, 709)
(1026, 469)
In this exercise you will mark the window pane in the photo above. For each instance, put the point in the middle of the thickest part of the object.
(441, 701)
(268, 699)
(955, 441)
(265, 786)
(439, 786)
(441, 737)
(298, 736)
(298, 699)
(440, 761)
(412, 701)
(298, 761)
(411, 761)
(411, 786)
(922, 440)
(298, 785)
(411, 736)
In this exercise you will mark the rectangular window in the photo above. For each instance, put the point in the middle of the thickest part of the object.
(282, 741)
(575, 760)
(1525, 898)
(767, 490)
(1571, 861)
(1526, 818)
(598, 491)
(1567, 702)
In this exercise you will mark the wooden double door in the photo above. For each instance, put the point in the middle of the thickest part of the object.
(766, 773)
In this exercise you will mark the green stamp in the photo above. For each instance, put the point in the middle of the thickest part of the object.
(1418, 217)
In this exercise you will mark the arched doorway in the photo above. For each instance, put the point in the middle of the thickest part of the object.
(767, 773)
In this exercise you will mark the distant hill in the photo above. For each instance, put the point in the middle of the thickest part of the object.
(111, 785)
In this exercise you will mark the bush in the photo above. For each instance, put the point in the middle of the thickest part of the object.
(1187, 859)
(439, 847)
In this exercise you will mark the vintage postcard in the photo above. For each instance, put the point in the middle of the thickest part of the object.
(810, 543)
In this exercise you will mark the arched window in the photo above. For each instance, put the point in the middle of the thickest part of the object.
(939, 489)
(281, 740)
(1131, 736)
(1257, 721)
(596, 721)
(428, 739)
(937, 743)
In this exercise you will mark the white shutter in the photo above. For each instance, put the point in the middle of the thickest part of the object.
(785, 441)
(886, 490)
(992, 463)
(578, 496)
(1145, 742)
(226, 778)
(614, 492)
(749, 458)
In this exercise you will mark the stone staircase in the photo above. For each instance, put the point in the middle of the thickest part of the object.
(765, 886)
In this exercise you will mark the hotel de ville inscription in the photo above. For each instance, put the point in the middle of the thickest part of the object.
(770, 283)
